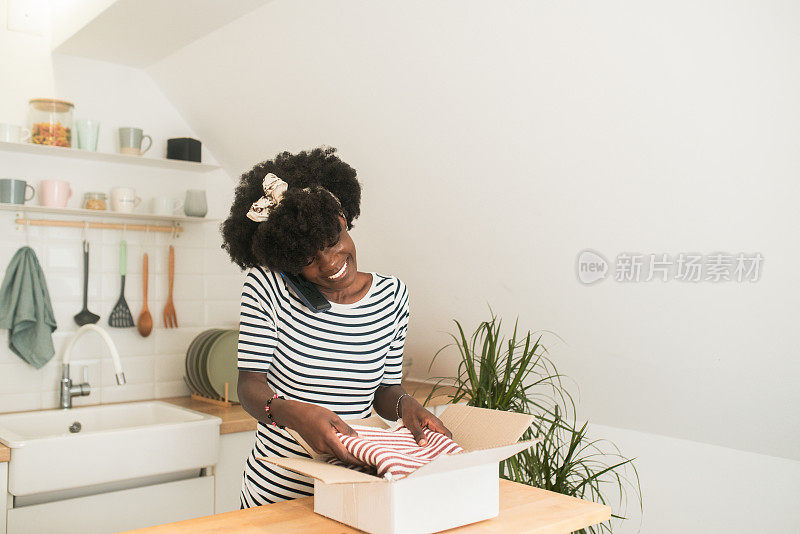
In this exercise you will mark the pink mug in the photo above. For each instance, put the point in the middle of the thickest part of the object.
(54, 193)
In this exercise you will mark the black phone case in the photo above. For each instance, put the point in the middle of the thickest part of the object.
(308, 293)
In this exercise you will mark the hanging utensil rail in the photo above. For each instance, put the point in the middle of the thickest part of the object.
(176, 229)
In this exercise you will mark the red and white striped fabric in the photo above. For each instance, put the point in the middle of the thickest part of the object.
(393, 454)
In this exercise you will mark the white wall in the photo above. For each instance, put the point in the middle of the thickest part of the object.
(495, 140)
(693, 487)
(207, 287)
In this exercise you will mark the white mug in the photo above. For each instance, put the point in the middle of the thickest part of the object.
(124, 199)
(164, 205)
(11, 133)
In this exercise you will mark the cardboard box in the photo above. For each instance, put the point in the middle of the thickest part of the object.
(452, 490)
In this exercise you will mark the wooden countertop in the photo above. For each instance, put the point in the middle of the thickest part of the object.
(235, 419)
(523, 509)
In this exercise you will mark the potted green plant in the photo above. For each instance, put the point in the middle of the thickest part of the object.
(517, 375)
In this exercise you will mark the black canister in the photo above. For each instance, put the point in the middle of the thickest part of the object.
(184, 148)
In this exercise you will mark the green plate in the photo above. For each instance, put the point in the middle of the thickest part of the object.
(201, 355)
(188, 365)
(221, 365)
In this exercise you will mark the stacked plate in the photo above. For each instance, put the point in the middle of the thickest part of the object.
(211, 362)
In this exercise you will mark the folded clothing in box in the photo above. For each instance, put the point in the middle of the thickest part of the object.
(394, 454)
(449, 491)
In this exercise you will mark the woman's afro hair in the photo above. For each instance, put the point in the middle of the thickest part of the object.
(304, 222)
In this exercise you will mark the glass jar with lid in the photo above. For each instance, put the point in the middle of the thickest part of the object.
(94, 201)
(50, 121)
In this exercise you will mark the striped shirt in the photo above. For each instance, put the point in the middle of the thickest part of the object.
(336, 359)
(393, 454)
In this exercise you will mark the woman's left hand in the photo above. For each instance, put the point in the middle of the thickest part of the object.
(416, 417)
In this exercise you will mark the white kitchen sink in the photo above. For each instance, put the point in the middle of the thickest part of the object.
(115, 442)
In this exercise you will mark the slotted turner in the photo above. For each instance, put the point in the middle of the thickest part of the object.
(121, 315)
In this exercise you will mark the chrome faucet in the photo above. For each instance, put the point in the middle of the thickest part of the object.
(67, 390)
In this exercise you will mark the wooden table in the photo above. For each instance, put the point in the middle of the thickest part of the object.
(523, 509)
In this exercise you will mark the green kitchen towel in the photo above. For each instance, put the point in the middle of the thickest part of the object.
(25, 309)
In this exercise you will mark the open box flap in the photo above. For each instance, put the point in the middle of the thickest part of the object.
(336, 474)
(486, 435)
(328, 473)
(481, 428)
(449, 462)
(372, 420)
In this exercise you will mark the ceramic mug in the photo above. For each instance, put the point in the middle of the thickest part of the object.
(14, 191)
(124, 199)
(195, 204)
(54, 193)
(11, 133)
(130, 141)
(164, 205)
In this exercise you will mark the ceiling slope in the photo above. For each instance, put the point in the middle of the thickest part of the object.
(138, 33)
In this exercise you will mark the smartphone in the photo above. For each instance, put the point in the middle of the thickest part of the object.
(308, 292)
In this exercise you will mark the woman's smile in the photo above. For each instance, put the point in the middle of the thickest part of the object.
(340, 273)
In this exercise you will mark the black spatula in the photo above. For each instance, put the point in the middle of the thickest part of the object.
(85, 316)
(121, 315)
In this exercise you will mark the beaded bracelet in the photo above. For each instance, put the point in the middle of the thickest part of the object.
(269, 414)
(397, 408)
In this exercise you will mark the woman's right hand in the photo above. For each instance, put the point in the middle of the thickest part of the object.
(318, 426)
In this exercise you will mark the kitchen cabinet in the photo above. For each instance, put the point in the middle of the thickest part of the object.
(118, 510)
(4, 496)
(233, 451)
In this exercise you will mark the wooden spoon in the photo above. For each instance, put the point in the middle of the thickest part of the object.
(145, 322)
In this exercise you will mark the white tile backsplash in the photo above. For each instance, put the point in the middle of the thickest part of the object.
(223, 312)
(187, 286)
(190, 313)
(217, 261)
(171, 389)
(63, 286)
(221, 287)
(170, 367)
(22, 402)
(139, 370)
(63, 256)
(19, 377)
(206, 295)
(175, 340)
(188, 260)
(128, 392)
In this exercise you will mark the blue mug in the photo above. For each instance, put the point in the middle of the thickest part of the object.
(14, 191)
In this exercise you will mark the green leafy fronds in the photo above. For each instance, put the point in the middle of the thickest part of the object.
(517, 375)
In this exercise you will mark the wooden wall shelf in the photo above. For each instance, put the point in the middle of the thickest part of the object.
(141, 218)
(106, 157)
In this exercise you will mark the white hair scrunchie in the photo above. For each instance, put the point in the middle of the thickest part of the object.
(274, 188)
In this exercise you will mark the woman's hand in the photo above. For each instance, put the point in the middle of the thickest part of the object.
(318, 427)
(416, 417)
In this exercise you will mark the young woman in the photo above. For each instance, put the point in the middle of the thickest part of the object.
(292, 215)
